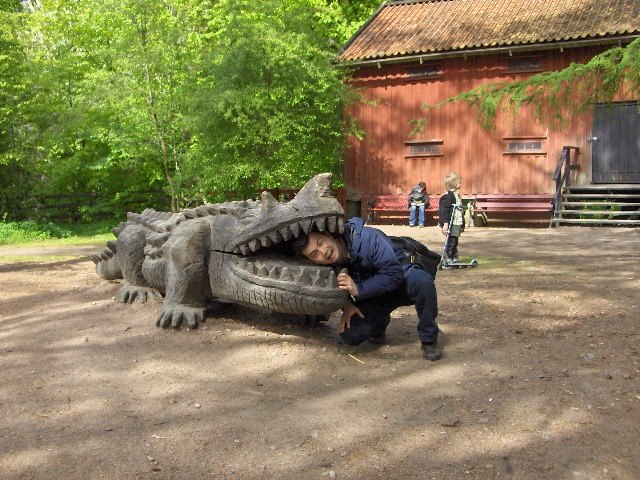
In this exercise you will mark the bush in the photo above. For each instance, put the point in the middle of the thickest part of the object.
(20, 232)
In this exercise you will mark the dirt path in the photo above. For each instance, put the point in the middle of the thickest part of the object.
(540, 380)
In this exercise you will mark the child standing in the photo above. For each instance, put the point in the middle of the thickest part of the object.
(452, 183)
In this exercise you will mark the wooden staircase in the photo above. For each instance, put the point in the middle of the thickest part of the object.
(599, 205)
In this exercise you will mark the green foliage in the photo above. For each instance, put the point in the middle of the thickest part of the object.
(271, 105)
(199, 99)
(21, 232)
(15, 177)
(557, 96)
(12, 233)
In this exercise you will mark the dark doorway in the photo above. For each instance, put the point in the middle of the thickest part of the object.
(616, 143)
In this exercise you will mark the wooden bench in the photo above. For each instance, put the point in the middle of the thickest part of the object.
(396, 205)
(509, 204)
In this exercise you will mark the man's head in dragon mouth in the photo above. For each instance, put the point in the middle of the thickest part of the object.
(261, 240)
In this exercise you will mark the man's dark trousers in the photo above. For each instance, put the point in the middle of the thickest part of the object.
(417, 289)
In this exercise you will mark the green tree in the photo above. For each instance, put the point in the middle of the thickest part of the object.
(110, 108)
(191, 96)
(16, 170)
(270, 104)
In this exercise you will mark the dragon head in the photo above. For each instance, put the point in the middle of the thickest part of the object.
(252, 259)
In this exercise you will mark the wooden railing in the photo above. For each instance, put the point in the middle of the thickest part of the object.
(562, 174)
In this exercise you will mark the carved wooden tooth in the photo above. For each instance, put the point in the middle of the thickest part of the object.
(306, 225)
(254, 244)
(263, 272)
(295, 229)
(244, 248)
(286, 233)
(332, 281)
(286, 276)
(341, 225)
(275, 236)
(304, 278)
(274, 272)
(266, 241)
(331, 224)
(316, 278)
(320, 224)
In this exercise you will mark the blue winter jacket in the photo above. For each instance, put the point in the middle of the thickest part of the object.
(373, 264)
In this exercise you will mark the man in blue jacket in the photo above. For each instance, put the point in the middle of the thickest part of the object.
(377, 283)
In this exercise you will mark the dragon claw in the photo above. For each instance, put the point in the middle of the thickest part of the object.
(176, 316)
(130, 293)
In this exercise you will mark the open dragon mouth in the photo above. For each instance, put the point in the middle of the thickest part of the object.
(268, 258)
(277, 236)
(274, 271)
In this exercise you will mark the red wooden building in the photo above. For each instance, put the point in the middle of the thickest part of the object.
(411, 53)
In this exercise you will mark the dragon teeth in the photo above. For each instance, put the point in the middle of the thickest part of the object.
(331, 224)
(295, 229)
(304, 278)
(244, 249)
(316, 278)
(306, 225)
(286, 233)
(332, 281)
(341, 225)
(320, 224)
(266, 241)
(275, 236)
(274, 272)
(285, 275)
(254, 244)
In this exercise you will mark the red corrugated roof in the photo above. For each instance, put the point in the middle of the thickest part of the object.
(406, 28)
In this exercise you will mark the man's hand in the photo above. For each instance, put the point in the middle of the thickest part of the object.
(348, 311)
(345, 282)
(445, 229)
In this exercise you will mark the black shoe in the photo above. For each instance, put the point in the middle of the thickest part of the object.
(378, 339)
(431, 351)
